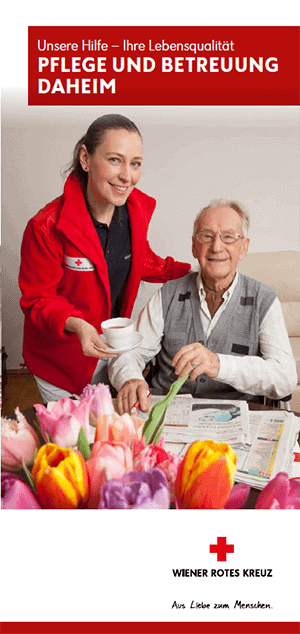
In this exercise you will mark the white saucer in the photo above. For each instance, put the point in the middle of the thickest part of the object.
(136, 341)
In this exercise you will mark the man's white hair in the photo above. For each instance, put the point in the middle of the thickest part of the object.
(222, 202)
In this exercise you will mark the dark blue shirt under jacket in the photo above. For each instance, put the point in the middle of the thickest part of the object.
(115, 241)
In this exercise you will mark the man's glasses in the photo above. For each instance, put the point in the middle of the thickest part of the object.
(206, 237)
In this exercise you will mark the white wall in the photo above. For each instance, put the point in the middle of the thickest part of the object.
(191, 155)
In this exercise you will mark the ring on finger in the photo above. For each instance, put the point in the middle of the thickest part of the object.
(194, 364)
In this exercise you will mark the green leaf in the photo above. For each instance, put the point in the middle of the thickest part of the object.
(29, 476)
(153, 427)
(36, 423)
(48, 438)
(34, 458)
(38, 429)
(83, 444)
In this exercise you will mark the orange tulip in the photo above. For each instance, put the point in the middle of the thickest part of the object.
(205, 476)
(61, 477)
(115, 428)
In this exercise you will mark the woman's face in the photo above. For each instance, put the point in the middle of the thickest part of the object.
(114, 169)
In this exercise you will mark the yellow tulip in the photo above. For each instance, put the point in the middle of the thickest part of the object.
(205, 476)
(61, 477)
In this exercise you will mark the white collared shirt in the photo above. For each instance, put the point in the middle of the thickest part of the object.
(273, 375)
(209, 322)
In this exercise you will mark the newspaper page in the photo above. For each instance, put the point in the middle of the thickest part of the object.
(263, 440)
(273, 437)
(188, 419)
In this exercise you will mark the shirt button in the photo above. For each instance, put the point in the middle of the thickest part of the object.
(202, 380)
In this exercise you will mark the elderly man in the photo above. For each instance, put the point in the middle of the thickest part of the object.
(222, 328)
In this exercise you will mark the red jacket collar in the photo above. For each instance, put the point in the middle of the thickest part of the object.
(76, 224)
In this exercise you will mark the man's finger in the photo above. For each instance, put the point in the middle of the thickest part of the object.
(122, 402)
(184, 364)
(144, 398)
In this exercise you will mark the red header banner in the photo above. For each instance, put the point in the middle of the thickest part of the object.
(163, 65)
(150, 628)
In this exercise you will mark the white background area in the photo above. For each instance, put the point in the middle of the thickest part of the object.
(191, 155)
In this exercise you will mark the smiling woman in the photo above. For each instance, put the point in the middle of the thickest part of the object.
(113, 171)
(83, 257)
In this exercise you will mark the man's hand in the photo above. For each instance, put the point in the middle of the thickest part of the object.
(131, 392)
(88, 337)
(194, 360)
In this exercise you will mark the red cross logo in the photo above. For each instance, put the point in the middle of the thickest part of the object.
(221, 548)
(78, 262)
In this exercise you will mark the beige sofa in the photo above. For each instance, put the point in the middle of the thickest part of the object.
(281, 270)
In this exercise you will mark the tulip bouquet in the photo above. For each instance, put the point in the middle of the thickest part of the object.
(126, 467)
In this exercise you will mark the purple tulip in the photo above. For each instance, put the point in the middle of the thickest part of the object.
(15, 494)
(238, 496)
(280, 493)
(137, 490)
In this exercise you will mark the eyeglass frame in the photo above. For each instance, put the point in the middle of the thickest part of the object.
(237, 237)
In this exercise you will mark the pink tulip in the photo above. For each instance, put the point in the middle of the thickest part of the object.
(15, 494)
(147, 457)
(101, 404)
(280, 493)
(238, 496)
(108, 460)
(64, 421)
(170, 468)
(117, 428)
(18, 440)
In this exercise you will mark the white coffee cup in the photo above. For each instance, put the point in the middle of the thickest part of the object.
(118, 332)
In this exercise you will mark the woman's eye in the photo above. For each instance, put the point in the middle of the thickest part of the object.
(113, 159)
(136, 164)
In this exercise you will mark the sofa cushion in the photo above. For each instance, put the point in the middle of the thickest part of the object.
(279, 269)
(291, 313)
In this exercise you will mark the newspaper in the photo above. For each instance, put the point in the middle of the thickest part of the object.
(188, 419)
(273, 437)
(263, 440)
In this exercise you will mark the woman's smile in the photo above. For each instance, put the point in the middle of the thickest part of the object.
(113, 170)
(119, 188)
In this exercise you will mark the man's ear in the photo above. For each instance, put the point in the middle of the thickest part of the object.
(244, 248)
(194, 243)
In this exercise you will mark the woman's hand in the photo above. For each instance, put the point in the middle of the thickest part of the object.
(88, 337)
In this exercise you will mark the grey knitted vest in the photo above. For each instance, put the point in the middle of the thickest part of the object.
(236, 331)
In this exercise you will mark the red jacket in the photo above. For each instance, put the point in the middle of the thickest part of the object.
(60, 238)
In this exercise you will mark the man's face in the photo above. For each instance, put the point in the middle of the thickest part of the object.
(217, 260)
